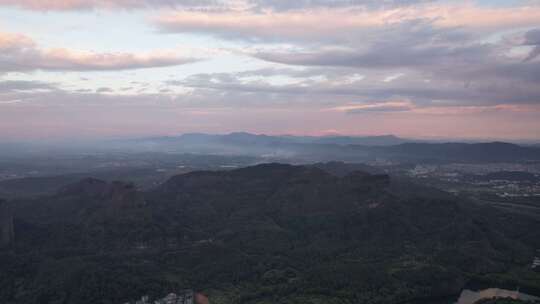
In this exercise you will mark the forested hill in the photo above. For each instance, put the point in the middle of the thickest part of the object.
(271, 233)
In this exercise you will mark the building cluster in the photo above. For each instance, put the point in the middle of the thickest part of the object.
(184, 297)
(485, 168)
(517, 190)
(536, 263)
(456, 178)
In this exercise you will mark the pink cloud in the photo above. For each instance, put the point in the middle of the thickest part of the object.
(20, 53)
(14, 42)
(483, 17)
(64, 59)
(408, 106)
(341, 22)
(81, 120)
(386, 106)
(270, 24)
(67, 5)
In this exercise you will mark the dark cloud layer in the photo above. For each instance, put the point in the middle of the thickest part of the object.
(23, 85)
(532, 38)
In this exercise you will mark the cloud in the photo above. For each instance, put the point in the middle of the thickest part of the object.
(104, 90)
(254, 5)
(382, 58)
(486, 81)
(390, 55)
(70, 5)
(315, 25)
(284, 5)
(408, 106)
(63, 114)
(20, 53)
(471, 63)
(532, 38)
(240, 101)
(415, 44)
(447, 65)
(341, 23)
(377, 107)
(24, 85)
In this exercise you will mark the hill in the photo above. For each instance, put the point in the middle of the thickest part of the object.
(271, 233)
(352, 149)
(383, 140)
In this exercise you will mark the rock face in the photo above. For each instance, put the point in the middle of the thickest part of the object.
(6, 225)
(124, 195)
(116, 194)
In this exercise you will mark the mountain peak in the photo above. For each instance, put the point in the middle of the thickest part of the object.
(88, 186)
(119, 194)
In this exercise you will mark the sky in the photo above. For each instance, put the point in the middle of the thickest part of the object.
(128, 68)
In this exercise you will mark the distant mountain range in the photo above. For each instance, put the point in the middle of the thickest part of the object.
(341, 148)
(298, 149)
(258, 139)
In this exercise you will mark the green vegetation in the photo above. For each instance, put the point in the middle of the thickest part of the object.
(264, 234)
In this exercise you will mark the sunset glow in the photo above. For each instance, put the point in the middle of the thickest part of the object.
(124, 68)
